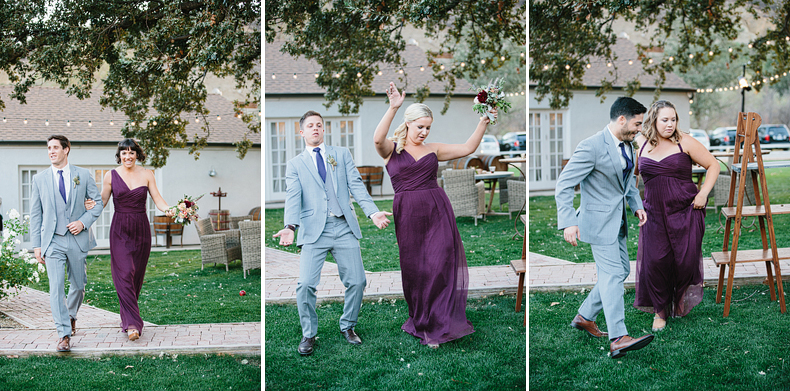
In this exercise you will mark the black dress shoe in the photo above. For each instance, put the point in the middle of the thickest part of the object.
(306, 346)
(352, 337)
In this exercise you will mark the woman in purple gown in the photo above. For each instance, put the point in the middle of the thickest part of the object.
(669, 258)
(432, 258)
(130, 232)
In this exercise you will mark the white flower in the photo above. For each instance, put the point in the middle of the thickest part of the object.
(35, 275)
(13, 214)
(41, 268)
(17, 242)
(7, 234)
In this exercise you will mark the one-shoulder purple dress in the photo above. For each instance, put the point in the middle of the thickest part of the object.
(669, 258)
(432, 259)
(130, 246)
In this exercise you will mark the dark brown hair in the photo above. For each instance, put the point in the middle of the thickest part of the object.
(309, 114)
(127, 144)
(64, 142)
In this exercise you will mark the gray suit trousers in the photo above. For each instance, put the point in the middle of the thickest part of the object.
(338, 239)
(612, 266)
(65, 251)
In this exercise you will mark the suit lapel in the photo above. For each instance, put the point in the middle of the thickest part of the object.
(307, 159)
(330, 170)
(49, 182)
(73, 192)
(614, 155)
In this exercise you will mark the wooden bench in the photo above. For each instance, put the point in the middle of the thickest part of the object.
(520, 267)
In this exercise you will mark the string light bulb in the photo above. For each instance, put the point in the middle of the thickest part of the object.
(68, 123)
(5, 120)
(650, 61)
(91, 123)
(294, 75)
(422, 69)
(671, 58)
(567, 67)
(691, 56)
(274, 76)
(112, 122)
(483, 62)
(316, 75)
(710, 53)
(463, 64)
(197, 119)
(154, 123)
(502, 58)
(630, 62)
(441, 67)
(219, 118)
(134, 123)
(609, 64)
(46, 123)
(400, 71)
(729, 50)
(380, 73)
(359, 74)
(175, 121)
(589, 65)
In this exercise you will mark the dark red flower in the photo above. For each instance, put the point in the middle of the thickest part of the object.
(482, 96)
(188, 203)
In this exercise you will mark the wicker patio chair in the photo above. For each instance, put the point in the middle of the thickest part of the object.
(250, 245)
(218, 247)
(466, 196)
(517, 196)
(234, 220)
(721, 191)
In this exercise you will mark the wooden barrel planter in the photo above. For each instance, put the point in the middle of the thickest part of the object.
(470, 161)
(493, 161)
(220, 219)
(372, 176)
(255, 213)
(164, 225)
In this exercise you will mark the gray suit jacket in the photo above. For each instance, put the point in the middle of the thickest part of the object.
(595, 165)
(306, 200)
(42, 212)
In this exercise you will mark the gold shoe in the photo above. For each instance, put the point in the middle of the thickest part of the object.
(133, 334)
(658, 323)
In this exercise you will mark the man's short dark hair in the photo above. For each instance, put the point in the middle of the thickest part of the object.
(64, 142)
(627, 107)
(309, 114)
(129, 144)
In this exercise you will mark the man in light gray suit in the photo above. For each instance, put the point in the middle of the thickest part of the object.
(59, 229)
(318, 184)
(603, 166)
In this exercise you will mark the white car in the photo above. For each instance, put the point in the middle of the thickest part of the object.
(488, 146)
(701, 136)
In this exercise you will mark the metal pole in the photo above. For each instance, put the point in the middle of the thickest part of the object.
(743, 93)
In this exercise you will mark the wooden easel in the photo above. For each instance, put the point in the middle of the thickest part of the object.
(750, 161)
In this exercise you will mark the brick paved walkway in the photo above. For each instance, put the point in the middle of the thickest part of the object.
(98, 332)
(550, 274)
(282, 272)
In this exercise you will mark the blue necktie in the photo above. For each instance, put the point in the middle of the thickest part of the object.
(319, 160)
(629, 164)
(62, 186)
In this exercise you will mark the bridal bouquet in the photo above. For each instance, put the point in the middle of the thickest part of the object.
(491, 97)
(186, 210)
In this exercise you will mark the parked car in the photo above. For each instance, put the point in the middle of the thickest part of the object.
(774, 134)
(488, 146)
(723, 136)
(513, 141)
(701, 136)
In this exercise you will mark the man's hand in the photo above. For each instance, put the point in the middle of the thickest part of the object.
(37, 254)
(380, 219)
(286, 236)
(642, 217)
(571, 234)
(75, 227)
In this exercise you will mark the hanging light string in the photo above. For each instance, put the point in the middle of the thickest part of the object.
(12, 120)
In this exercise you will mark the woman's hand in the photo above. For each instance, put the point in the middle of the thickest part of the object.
(700, 201)
(89, 204)
(487, 120)
(169, 212)
(395, 97)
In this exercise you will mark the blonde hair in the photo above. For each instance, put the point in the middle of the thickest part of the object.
(414, 112)
(649, 129)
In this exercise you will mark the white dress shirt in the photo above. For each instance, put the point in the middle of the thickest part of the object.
(617, 143)
(66, 179)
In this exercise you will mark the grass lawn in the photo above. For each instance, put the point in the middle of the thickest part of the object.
(491, 358)
(702, 351)
(176, 291)
(546, 239)
(149, 373)
(488, 243)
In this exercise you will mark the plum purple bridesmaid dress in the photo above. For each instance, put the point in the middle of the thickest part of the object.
(130, 246)
(669, 258)
(432, 259)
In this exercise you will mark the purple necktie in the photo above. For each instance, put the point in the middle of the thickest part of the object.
(62, 186)
(319, 161)
(629, 164)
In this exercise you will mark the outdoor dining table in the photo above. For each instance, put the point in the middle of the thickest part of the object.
(493, 178)
(522, 161)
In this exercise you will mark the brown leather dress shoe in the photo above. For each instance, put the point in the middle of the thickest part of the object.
(306, 346)
(626, 343)
(63, 344)
(352, 337)
(73, 326)
(589, 326)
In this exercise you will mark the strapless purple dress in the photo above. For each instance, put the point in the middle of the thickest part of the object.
(130, 246)
(669, 258)
(432, 259)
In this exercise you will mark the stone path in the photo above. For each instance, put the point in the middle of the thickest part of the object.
(551, 274)
(282, 272)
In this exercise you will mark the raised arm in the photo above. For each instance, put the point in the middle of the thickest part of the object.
(385, 146)
(454, 151)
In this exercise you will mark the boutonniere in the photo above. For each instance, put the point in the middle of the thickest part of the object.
(331, 161)
(76, 181)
